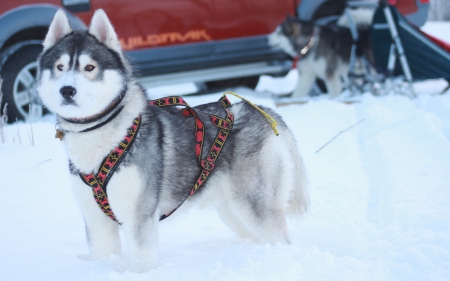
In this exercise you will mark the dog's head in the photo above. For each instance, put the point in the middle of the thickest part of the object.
(278, 39)
(80, 73)
(291, 35)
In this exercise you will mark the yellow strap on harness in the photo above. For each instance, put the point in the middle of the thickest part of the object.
(269, 118)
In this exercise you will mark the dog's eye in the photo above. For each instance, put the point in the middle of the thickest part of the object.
(60, 67)
(89, 67)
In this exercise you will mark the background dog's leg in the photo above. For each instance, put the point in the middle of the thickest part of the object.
(334, 85)
(306, 78)
(102, 233)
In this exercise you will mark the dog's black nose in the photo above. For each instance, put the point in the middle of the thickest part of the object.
(68, 92)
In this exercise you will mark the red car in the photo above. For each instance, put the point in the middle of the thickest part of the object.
(220, 42)
(168, 41)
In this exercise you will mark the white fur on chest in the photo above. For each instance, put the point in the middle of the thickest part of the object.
(87, 150)
(124, 190)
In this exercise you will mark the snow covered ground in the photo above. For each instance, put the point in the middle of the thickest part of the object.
(380, 201)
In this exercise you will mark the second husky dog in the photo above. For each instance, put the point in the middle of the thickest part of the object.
(323, 50)
(103, 113)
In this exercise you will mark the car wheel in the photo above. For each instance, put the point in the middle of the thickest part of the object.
(18, 71)
(249, 82)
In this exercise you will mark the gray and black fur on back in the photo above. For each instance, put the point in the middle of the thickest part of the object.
(167, 138)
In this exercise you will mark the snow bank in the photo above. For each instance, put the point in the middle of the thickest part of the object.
(379, 192)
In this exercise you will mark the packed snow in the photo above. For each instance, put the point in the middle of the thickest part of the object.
(380, 200)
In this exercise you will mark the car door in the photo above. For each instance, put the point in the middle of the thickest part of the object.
(237, 18)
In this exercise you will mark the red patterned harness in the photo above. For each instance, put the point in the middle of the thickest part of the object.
(99, 182)
(109, 165)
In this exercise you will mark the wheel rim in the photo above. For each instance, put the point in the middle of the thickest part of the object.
(24, 92)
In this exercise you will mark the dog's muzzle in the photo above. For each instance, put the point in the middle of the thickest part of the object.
(68, 92)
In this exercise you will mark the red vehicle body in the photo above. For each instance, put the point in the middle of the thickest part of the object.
(219, 42)
(143, 24)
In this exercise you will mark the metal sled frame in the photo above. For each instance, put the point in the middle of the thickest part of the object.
(396, 50)
(394, 62)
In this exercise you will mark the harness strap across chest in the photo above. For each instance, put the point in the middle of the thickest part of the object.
(99, 182)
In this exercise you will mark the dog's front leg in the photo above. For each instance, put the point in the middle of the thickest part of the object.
(102, 233)
(142, 238)
(306, 78)
(103, 236)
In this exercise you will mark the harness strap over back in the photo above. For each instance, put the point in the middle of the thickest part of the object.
(187, 112)
(224, 125)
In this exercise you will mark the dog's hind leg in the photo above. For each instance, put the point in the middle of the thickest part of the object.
(232, 220)
(334, 79)
(265, 222)
(261, 187)
(334, 85)
(255, 218)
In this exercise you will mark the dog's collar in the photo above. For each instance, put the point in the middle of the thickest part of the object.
(308, 46)
(113, 105)
(110, 108)
(61, 132)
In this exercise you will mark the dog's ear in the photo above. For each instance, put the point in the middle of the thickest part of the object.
(102, 29)
(286, 26)
(59, 28)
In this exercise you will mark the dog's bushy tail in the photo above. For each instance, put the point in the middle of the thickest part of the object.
(298, 200)
(361, 17)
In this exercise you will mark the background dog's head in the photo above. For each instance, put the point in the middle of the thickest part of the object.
(80, 73)
(299, 32)
(292, 35)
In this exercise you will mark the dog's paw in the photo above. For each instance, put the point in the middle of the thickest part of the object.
(140, 266)
(120, 264)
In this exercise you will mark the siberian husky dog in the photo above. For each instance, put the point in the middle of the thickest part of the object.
(85, 79)
(323, 51)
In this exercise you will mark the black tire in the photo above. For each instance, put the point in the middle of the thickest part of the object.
(18, 70)
(249, 82)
